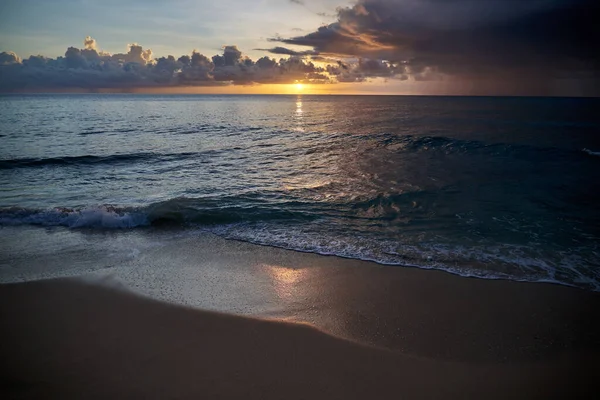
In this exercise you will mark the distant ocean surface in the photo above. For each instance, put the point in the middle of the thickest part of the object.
(477, 186)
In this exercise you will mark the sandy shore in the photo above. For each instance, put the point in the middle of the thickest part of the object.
(67, 339)
(375, 331)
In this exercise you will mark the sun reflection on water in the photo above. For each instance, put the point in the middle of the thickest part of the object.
(299, 115)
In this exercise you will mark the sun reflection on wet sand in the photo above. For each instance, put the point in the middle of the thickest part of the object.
(309, 294)
(286, 281)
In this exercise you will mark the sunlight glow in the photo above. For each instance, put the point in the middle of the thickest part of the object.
(299, 87)
(286, 280)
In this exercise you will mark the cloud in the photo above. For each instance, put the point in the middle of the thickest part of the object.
(365, 69)
(472, 47)
(511, 40)
(290, 52)
(89, 43)
(9, 58)
(89, 68)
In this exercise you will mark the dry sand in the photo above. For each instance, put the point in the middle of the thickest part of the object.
(68, 339)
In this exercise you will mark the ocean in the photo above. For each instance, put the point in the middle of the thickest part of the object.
(487, 187)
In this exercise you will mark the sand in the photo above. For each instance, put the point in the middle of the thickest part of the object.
(375, 331)
(67, 339)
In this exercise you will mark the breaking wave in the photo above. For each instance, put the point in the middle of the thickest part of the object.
(592, 153)
(175, 212)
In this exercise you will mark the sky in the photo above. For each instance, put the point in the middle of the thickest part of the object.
(456, 47)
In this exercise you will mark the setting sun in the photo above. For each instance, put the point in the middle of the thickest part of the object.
(299, 86)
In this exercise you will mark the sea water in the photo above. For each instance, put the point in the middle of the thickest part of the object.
(489, 187)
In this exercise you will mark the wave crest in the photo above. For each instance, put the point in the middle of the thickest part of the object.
(98, 160)
(177, 212)
(89, 217)
(592, 153)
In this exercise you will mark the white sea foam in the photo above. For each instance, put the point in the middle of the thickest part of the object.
(592, 153)
(500, 261)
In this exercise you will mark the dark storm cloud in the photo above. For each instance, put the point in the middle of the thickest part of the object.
(89, 68)
(493, 39)
(364, 69)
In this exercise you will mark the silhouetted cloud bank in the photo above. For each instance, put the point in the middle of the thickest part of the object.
(90, 68)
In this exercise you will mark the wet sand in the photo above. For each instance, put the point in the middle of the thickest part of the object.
(375, 331)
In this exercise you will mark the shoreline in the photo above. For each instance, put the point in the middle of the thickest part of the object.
(185, 233)
(428, 313)
(405, 266)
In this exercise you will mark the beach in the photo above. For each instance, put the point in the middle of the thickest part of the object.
(340, 199)
(156, 246)
(286, 324)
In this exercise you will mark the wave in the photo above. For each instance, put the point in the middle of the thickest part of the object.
(174, 212)
(403, 143)
(98, 160)
(259, 219)
(591, 153)
(92, 132)
(497, 261)
(89, 217)
(448, 145)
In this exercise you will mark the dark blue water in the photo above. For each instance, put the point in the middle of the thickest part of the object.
(485, 187)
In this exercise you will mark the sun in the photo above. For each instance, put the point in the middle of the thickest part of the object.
(299, 87)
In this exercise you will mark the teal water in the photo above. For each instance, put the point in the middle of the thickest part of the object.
(486, 187)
